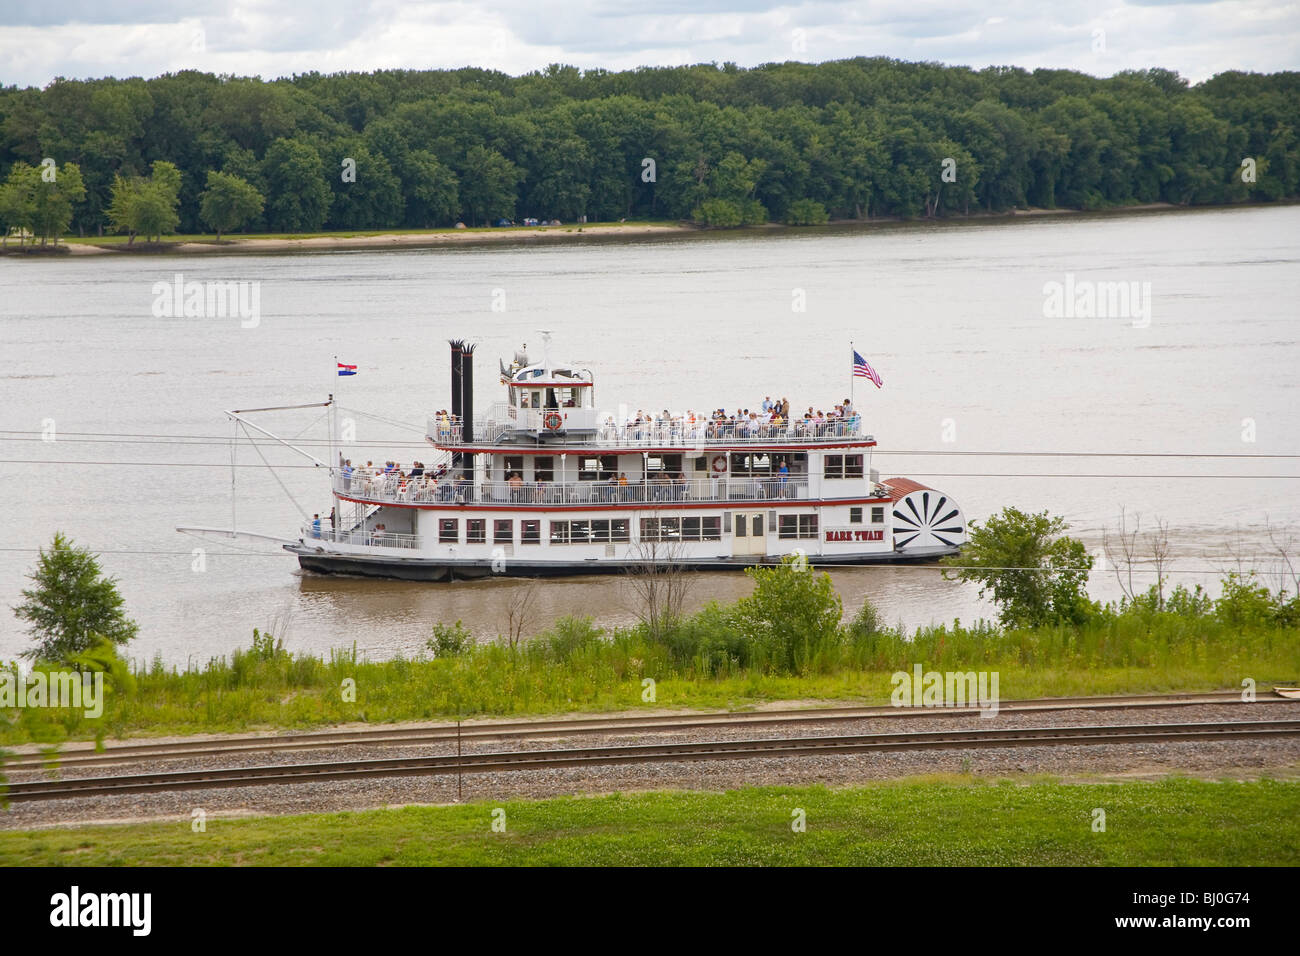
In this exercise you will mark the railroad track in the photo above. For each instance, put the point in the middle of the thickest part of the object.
(645, 753)
(498, 730)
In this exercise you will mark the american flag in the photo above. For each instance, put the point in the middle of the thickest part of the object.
(863, 370)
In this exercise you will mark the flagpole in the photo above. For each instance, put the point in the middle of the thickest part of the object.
(853, 358)
(334, 417)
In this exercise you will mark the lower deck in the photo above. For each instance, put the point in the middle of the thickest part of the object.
(911, 524)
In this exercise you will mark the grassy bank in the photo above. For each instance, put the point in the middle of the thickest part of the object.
(1173, 822)
(786, 641)
(577, 667)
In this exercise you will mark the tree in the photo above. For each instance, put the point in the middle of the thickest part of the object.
(367, 194)
(660, 583)
(794, 613)
(228, 202)
(487, 185)
(146, 206)
(295, 182)
(17, 201)
(53, 199)
(72, 605)
(1029, 567)
(806, 212)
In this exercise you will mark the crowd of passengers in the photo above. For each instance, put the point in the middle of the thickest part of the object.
(771, 419)
(421, 484)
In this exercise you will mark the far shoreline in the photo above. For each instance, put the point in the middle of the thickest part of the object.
(93, 246)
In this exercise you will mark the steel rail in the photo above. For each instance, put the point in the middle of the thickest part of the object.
(658, 723)
(486, 762)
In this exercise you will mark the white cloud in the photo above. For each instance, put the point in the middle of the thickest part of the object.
(278, 37)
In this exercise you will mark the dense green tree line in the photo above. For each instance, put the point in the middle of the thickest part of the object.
(792, 142)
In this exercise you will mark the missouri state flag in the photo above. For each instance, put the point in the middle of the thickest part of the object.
(863, 369)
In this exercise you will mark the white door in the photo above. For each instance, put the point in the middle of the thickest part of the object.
(749, 536)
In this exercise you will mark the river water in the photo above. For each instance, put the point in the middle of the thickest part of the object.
(977, 371)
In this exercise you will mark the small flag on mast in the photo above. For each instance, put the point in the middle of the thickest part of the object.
(347, 369)
(861, 369)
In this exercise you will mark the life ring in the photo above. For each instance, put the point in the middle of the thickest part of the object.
(719, 464)
(552, 421)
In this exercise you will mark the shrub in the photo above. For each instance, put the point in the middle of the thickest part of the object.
(1244, 603)
(450, 641)
(793, 615)
(806, 212)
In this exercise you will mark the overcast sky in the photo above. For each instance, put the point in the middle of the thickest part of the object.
(88, 38)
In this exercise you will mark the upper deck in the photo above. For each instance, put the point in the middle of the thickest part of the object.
(502, 429)
(554, 406)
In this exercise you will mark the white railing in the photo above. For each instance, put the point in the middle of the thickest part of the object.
(656, 433)
(371, 539)
(393, 490)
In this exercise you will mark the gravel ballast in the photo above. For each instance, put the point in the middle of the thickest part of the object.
(1233, 758)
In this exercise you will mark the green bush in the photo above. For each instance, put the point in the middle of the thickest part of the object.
(806, 212)
(1244, 602)
(450, 641)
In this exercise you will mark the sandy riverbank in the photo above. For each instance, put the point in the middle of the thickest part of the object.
(568, 233)
(388, 240)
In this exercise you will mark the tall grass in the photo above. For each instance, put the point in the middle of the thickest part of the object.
(723, 656)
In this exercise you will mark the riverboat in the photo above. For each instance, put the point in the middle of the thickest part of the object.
(548, 482)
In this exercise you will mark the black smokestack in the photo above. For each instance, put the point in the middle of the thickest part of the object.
(457, 363)
(467, 389)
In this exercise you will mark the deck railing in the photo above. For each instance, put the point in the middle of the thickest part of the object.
(372, 539)
(659, 433)
(392, 490)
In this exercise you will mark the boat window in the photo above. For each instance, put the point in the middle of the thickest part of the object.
(742, 527)
(520, 397)
(448, 530)
(711, 528)
(844, 466)
(619, 530)
(503, 531)
(878, 515)
(797, 526)
(475, 530)
(543, 468)
(855, 515)
(530, 532)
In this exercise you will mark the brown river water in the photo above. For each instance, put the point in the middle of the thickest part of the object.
(111, 424)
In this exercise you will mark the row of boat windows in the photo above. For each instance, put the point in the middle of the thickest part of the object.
(606, 467)
(602, 530)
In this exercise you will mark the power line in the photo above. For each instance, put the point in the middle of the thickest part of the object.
(918, 474)
(151, 438)
(812, 560)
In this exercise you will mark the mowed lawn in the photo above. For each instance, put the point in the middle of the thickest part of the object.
(954, 821)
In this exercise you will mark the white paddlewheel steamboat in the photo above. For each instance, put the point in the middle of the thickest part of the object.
(546, 484)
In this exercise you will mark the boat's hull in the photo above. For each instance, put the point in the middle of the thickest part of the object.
(424, 569)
